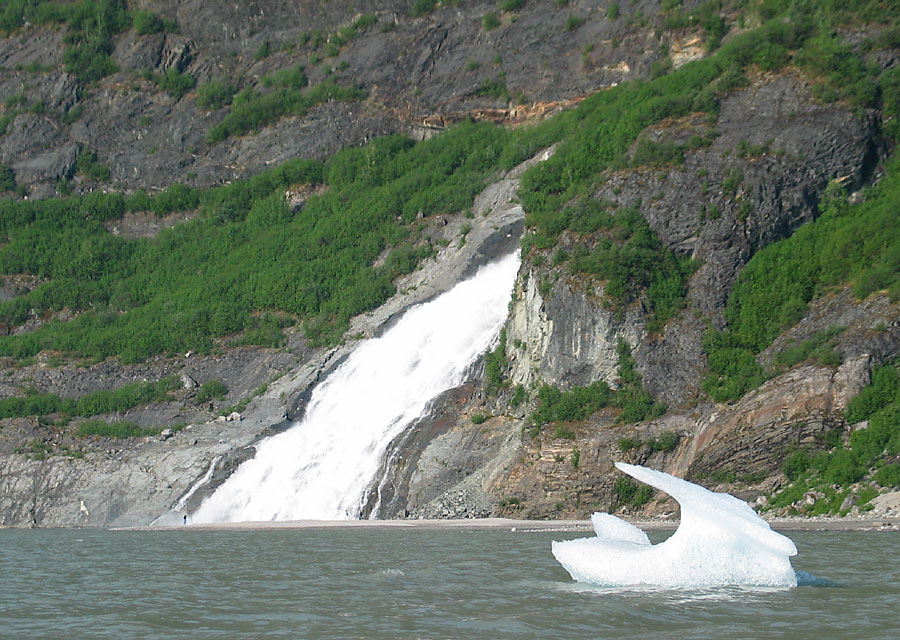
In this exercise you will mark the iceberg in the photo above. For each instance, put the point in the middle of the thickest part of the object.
(719, 542)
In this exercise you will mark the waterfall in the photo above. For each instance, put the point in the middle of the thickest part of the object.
(321, 467)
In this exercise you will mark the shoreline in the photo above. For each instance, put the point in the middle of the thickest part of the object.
(518, 526)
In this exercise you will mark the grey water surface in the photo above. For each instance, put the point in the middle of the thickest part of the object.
(374, 583)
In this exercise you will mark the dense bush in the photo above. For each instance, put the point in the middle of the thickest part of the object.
(215, 94)
(91, 404)
(211, 389)
(629, 493)
(176, 83)
(147, 22)
(89, 167)
(252, 110)
(422, 8)
(119, 429)
(7, 178)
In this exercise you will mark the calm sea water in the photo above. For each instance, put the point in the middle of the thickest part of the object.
(408, 584)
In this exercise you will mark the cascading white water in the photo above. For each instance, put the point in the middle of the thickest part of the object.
(321, 467)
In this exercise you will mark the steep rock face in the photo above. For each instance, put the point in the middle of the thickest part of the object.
(417, 72)
(772, 153)
(560, 334)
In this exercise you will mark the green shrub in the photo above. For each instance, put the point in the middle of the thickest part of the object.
(7, 178)
(146, 22)
(888, 475)
(119, 430)
(628, 492)
(215, 94)
(519, 396)
(88, 166)
(422, 8)
(210, 389)
(495, 88)
(176, 83)
(665, 441)
(612, 11)
(627, 444)
(495, 365)
(657, 154)
(252, 110)
(490, 21)
(577, 404)
(573, 22)
(478, 418)
(562, 433)
(881, 392)
(263, 51)
(796, 464)
(511, 5)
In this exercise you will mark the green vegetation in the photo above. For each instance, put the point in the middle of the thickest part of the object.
(211, 389)
(176, 83)
(263, 51)
(147, 22)
(7, 178)
(215, 94)
(252, 110)
(91, 27)
(519, 396)
(556, 194)
(819, 348)
(868, 455)
(629, 493)
(573, 22)
(612, 11)
(478, 418)
(247, 264)
(511, 5)
(422, 8)
(88, 166)
(36, 449)
(581, 402)
(665, 441)
(495, 88)
(490, 21)
(495, 365)
(245, 252)
(99, 402)
(119, 429)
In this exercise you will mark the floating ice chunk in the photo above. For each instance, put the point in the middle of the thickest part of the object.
(720, 541)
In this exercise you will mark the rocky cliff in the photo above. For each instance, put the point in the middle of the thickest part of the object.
(749, 174)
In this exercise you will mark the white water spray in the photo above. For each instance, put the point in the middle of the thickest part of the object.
(321, 467)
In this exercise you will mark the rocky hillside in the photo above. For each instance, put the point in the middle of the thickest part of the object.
(674, 307)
